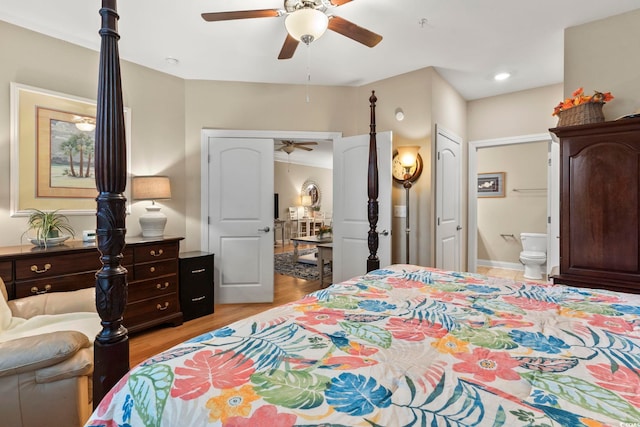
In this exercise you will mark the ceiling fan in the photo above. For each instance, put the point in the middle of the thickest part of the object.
(306, 21)
(289, 146)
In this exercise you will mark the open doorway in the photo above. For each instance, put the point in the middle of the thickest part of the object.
(528, 199)
(303, 184)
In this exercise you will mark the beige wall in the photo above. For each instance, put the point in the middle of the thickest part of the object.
(254, 106)
(519, 113)
(426, 99)
(525, 168)
(168, 115)
(157, 137)
(603, 56)
(288, 180)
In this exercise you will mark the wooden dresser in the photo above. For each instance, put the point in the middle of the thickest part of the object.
(152, 274)
(600, 205)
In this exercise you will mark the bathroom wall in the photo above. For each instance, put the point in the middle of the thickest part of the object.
(502, 219)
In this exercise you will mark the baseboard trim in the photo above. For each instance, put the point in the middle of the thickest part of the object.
(501, 264)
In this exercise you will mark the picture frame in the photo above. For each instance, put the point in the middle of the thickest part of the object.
(491, 184)
(52, 165)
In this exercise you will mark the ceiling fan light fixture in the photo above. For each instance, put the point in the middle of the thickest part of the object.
(288, 149)
(307, 24)
(86, 125)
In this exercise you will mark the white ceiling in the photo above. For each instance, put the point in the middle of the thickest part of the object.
(467, 41)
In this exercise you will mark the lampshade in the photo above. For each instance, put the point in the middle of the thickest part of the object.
(151, 187)
(306, 201)
(306, 25)
(408, 155)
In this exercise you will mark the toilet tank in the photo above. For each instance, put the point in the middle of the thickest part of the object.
(534, 242)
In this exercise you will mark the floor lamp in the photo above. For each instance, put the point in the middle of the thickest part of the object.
(412, 167)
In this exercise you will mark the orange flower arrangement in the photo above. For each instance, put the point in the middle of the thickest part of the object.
(578, 97)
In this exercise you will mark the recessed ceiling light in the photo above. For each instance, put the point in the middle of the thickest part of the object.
(172, 61)
(502, 76)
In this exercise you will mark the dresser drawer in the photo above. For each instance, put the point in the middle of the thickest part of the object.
(150, 309)
(6, 271)
(151, 270)
(152, 288)
(155, 252)
(57, 265)
(127, 256)
(70, 282)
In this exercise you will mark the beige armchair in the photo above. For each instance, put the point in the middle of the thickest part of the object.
(46, 358)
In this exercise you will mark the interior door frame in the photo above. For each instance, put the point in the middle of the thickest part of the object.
(206, 134)
(472, 203)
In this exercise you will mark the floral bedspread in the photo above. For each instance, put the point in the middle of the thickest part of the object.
(402, 346)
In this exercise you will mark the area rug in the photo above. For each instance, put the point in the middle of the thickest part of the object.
(284, 265)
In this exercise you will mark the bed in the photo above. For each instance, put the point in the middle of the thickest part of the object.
(400, 345)
(403, 345)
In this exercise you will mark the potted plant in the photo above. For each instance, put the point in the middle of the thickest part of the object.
(47, 225)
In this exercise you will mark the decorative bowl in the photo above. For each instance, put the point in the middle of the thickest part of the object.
(51, 241)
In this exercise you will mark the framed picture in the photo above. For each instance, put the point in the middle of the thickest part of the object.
(52, 152)
(491, 184)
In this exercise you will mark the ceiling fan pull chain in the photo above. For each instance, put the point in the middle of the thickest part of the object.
(308, 70)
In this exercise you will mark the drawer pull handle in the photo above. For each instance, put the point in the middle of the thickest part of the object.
(198, 298)
(161, 307)
(161, 286)
(200, 270)
(152, 269)
(36, 291)
(35, 269)
(154, 253)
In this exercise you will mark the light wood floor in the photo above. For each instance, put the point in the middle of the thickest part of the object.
(286, 289)
(504, 272)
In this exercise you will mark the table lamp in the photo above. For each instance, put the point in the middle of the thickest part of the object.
(152, 188)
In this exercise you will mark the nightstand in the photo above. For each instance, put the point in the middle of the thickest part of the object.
(196, 284)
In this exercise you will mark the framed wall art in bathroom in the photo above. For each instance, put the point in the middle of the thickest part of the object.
(491, 184)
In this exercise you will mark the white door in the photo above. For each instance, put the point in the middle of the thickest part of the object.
(240, 214)
(448, 227)
(350, 204)
(553, 208)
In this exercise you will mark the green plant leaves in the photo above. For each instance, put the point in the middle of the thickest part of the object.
(584, 394)
(291, 389)
(150, 388)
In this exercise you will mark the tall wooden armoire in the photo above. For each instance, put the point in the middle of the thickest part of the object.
(600, 205)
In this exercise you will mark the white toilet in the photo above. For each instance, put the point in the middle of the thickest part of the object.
(534, 254)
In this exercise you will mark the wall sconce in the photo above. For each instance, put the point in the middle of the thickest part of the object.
(409, 159)
(152, 188)
(399, 114)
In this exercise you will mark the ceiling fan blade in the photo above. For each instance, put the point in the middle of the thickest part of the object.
(353, 31)
(304, 148)
(306, 143)
(240, 14)
(339, 2)
(288, 48)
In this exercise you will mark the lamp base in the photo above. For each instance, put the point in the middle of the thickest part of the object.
(153, 222)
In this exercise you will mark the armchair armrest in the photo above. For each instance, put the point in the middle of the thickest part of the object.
(40, 351)
(82, 300)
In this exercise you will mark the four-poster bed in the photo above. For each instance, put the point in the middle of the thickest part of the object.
(402, 345)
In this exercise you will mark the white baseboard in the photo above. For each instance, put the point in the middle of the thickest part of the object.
(501, 264)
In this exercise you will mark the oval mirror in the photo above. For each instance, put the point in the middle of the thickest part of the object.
(311, 189)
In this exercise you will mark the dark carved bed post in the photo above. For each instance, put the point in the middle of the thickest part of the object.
(373, 262)
(111, 347)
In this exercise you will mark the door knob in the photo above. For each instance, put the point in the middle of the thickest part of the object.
(266, 229)
(458, 228)
(384, 233)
